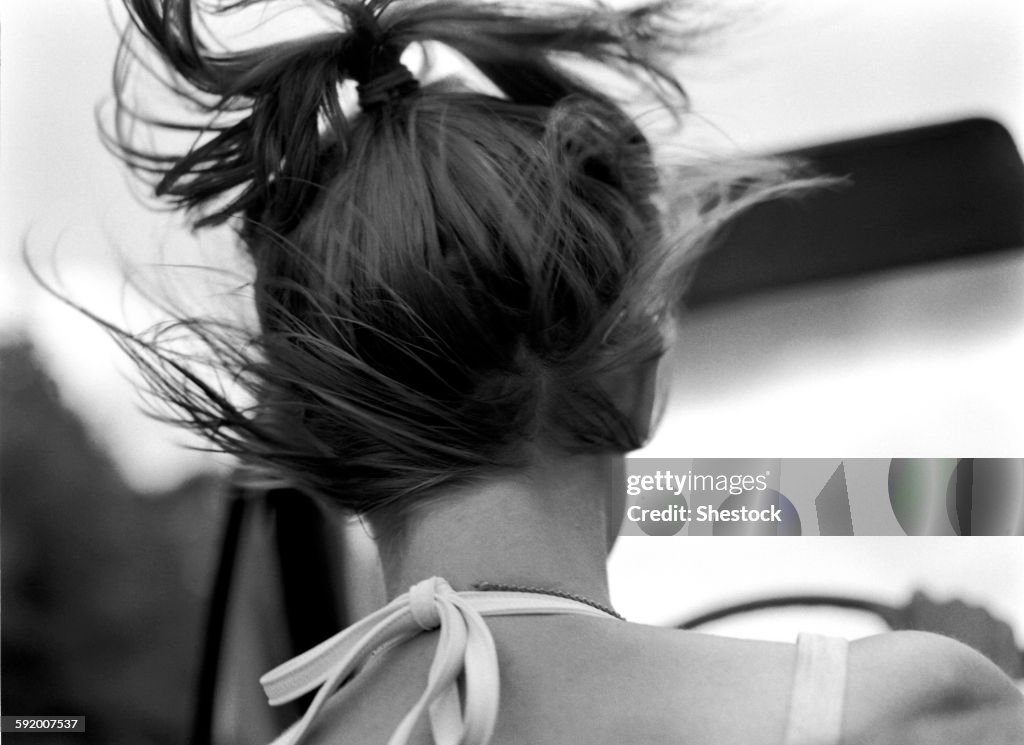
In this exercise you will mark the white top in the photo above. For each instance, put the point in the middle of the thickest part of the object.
(819, 688)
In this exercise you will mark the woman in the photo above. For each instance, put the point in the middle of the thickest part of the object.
(463, 290)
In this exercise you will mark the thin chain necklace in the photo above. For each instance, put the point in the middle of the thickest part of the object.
(495, 587)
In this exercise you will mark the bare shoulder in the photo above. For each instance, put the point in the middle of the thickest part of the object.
(570, 681)
(906, 674)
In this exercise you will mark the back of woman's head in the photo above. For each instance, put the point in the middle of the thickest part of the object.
(443, 276)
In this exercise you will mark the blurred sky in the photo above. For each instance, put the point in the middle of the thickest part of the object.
(943, 364)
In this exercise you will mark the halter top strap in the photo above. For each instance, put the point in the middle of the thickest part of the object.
(819, 689)
(465, 652)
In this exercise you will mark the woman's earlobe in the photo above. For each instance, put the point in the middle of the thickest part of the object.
(633, 391)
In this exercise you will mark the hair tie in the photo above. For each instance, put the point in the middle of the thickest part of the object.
(397, 82)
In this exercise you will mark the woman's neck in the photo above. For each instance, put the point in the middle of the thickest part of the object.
(545, 527)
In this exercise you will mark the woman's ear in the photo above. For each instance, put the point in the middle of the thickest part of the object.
(633, 390)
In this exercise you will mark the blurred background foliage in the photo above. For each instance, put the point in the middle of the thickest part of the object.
(102, 587)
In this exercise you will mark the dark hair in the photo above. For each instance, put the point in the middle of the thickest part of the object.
(440, 278)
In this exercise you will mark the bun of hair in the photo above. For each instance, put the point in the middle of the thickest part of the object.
(442, 277)
(267, 115)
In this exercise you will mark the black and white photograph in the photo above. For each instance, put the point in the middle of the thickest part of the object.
(505, 372)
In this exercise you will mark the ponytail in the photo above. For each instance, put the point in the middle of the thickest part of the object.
(441, 276)
(269, 115)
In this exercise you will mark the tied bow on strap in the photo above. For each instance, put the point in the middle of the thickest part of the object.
(465, 652)
(465, 649)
